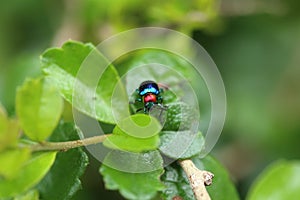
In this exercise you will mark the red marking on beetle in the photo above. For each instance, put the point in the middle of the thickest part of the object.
(150, 98)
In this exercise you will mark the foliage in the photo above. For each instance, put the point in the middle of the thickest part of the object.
(33, 101)
(36, 99)
(29, 175)
(55, 175)
(279, 181)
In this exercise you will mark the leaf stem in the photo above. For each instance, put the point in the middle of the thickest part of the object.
(198, 179)
(64, 146)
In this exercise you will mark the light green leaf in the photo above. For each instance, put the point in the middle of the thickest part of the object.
(31, 195)
(12, 162)
(178, 185)
(9, 130)
(280, 180)
(62, 181)
(181, 144)
(39, 107)
(30, 174)
(136, 133)
(81, 66)
(135, 186)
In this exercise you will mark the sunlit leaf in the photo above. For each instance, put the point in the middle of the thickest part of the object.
(94, 87)
(12, 161)
(39, 107)
(9, 130)
(30, 195)
(30, 174)
(136, 133)
(280, 180)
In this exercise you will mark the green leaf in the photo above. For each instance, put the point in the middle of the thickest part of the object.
(152, 57)
(30, 174)
(12, 162)
(135, 186)
(281, 180)
(92, 94)
(181, 144)
(9, 130)
(178, 185)
(39, 107)
(136, 133)
(31, 195)
(134, 162)
(180, 116)
(62, 181)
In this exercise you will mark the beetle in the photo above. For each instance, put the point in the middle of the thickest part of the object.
(149, 94)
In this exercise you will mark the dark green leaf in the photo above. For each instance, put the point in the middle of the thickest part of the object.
(30, 174)
(136, 133)
(39, 107)
(180, 117)
(62, 181)
(92, 94)
(181, 144)
(279, 181)
(178, 184)
(135, 186)
(170, 65)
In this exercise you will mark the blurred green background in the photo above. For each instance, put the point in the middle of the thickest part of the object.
(255, 44)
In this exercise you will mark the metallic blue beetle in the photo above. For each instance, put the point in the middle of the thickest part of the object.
(149, 94)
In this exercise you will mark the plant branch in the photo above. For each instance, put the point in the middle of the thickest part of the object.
(64, 146)
(198, 179)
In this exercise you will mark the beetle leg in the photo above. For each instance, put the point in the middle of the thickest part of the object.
(139, 110)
